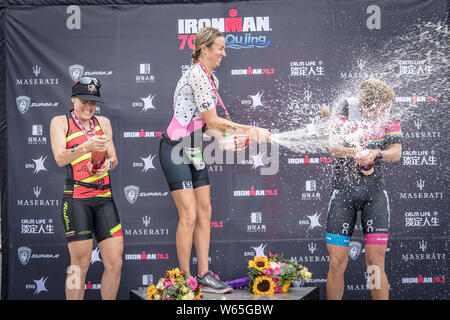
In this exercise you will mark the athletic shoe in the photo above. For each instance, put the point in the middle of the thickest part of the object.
(211, 283)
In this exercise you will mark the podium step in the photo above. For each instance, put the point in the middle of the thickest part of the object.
(301, 293)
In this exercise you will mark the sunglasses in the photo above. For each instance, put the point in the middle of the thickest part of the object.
(88, 80)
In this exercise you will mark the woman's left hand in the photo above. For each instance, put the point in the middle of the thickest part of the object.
(101, 171)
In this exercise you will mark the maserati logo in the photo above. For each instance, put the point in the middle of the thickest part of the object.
(418, 124)
(24, 255)
(307, 95)
(131, 193)
(361, 64)
(37, 191)
(354, 249)
(312, 247)
(146, 221)
(76, 72)
(39, 164)
(36, 70)
(23, 103)
(420, 184)
(36, 81)
(423, 245)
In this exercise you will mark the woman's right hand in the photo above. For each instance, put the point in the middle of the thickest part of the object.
(97, 143)
(259, 134)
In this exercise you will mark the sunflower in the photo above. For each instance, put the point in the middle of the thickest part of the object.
(263, 285)
(151, 292)
(199, 295)
(174, 273)
(285, 287)
(260, 263)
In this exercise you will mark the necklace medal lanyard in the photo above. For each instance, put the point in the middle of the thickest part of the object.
(213, 85)
(80, 125)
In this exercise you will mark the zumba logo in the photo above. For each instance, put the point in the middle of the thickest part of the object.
(187, 28)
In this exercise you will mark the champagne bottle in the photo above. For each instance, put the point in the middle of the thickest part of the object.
(97, 159)
(241, 140)
(235, 141)
(367, 169)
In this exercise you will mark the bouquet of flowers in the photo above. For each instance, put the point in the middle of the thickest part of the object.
(175, 285)
(274, 274)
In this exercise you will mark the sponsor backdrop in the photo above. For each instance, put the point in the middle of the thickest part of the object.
(283, 60)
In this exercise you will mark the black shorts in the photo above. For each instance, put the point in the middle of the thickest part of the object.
(85, 218)
(183, 175)
(372, 200)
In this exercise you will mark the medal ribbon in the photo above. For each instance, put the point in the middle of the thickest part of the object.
(213, 84)
(80, 125)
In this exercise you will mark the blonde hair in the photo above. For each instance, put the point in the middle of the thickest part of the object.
(206, 36)
(374, 91)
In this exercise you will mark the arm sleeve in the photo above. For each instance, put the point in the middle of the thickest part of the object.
(394, 132)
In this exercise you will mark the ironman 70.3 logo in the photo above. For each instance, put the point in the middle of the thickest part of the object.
(237, 30)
